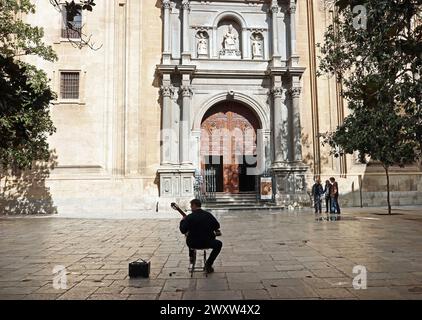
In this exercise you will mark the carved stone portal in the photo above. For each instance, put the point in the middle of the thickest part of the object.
(228, 144)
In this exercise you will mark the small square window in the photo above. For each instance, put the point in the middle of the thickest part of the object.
(69, 85)
(72, 28)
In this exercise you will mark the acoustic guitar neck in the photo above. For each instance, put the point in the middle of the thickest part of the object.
(176, 207)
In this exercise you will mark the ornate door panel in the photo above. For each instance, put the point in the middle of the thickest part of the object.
(229, 130)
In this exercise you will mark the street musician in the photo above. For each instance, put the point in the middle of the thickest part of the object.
(200, 228)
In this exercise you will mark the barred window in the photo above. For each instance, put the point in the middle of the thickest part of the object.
(72, 28)
(69, 85)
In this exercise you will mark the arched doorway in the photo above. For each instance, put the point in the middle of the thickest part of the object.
(229, 146)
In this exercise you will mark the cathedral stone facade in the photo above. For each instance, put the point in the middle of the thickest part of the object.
(242, 57)
(177, 87)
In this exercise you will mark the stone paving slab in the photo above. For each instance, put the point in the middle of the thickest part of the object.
(277, 255)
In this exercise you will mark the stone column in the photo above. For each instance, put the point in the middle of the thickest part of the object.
(274, 10)
(294, 59)
(166, 130)
(245, 44)
(185, 32)
(166, 30)
(185, 126)
(297, 130)
(133, 80)
(282, 36)
(215, 48)
(280, 127)
(120, 101)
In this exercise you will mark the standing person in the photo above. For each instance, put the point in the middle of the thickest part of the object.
(327, 189)
(335, 207)
(317, 192)
(201, 227)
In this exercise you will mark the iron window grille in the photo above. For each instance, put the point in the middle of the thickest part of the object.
(69, 85)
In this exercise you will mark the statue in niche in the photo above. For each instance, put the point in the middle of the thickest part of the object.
(256, 45)
(256, 49)
(202, 43)
(202, 46)
(230, 39)
(230, 44)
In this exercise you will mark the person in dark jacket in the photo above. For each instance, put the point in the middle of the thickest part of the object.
(327, 188)
(317, 192)
(200, 227)
(335, 207)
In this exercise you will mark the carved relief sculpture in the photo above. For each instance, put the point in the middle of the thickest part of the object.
(257, 44)
(230, 39)
(202, 44)
(256, 49)
(230, 44)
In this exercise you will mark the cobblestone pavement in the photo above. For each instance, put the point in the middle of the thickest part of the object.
(281, 255)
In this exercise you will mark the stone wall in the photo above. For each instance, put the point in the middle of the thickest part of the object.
(108, 142)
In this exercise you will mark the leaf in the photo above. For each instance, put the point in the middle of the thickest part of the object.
(342, 4)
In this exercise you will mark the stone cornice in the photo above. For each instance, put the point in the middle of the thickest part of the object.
(189, 69)
(277, 71)
(296, 71)
(206, 28)
(166, 68)
(230, 73)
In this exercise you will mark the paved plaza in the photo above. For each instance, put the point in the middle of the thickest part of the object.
(266, 255)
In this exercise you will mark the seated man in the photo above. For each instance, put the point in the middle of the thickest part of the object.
(200, 227)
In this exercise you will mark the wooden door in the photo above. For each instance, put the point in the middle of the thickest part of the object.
(227, 128)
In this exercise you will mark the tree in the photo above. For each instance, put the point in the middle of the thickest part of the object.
(374, 49)
(25, 97)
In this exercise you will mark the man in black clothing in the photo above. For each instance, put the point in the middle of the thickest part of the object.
(200, 227)
(317, 192)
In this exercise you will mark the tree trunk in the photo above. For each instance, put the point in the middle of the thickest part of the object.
(5, 183)
(388, 189)
(1, 178)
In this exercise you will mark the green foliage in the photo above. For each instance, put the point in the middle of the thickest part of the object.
(379, 64)
(379, 67)
(18, 38)
(24, 114)
(73, 8)
(25, 94)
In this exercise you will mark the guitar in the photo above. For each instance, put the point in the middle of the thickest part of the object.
(177, 208)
